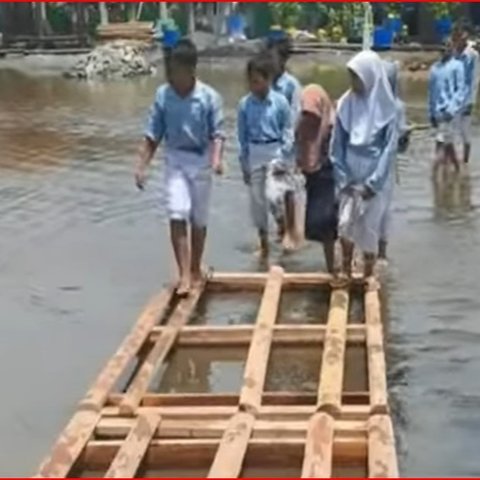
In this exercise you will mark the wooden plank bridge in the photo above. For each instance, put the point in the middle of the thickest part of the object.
(125, 429)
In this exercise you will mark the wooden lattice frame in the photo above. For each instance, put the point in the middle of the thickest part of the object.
(117, 432)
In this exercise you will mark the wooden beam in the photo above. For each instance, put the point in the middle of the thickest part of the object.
(241, 335)
(382, 459)
(333, 362)
(261, 452)
(106, 381)
(200, 426)
(233, 447)
(220, 399)
(128, 459)
(139, 386)
(377, 380)
(249, 281)
(317, 462)
(69, 445)
(259, 352)
(290, 413)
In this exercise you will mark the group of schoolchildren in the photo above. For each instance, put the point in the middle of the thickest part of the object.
(291, 139)
(452, 93)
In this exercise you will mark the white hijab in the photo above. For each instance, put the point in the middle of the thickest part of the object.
(363, 116)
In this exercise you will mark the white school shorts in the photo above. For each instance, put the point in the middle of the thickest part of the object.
(445, 131)
(188, 184)
(464, 126)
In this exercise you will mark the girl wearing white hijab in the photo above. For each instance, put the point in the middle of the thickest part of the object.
(363, 150)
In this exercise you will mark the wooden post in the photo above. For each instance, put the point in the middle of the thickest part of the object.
(102, 7)
(128, 459)
(382, 459)
(258, 355)
(317, 461)
(233, 446)
(377, 380)
(333, 364)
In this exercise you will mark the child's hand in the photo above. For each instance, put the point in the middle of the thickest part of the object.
(217, 166)
(140, 177)
(367, 193)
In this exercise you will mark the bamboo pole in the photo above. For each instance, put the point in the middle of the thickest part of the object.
(333, 364)
(258, 355)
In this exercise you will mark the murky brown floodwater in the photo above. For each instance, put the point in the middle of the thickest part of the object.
(81, 250)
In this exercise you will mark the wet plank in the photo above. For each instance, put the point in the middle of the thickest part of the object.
(233, 446)
(257, 360)
(177, 452)
(382, 459)
(333, 363)
(242, 335)
(377, 378)
(197, 426)
(258, 280)
(159, 352)
(130, 455)
(221, 399)
(350, 413)
(69, 445)
(108, 378)
(317, 462)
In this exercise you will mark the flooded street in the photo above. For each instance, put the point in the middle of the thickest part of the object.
(81, 251)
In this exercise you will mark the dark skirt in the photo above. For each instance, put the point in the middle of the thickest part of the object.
(321, 215)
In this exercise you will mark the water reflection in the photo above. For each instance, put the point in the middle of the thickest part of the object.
(452, 194)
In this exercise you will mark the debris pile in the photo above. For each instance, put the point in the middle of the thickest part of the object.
(113, 60)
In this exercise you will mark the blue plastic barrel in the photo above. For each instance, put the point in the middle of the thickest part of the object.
(276, 34)
(382, 38)
(443, 27)
(170, 37)
(395, 24)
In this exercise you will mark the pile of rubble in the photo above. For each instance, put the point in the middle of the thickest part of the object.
(113, 60)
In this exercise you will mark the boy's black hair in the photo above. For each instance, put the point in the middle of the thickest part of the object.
(184, 54)
(263, 64)
(282, 46)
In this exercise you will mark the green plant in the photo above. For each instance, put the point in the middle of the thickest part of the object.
(443, 9)
(394, 9)
(286, 14)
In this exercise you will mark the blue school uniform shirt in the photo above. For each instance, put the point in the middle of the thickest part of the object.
(468, 60)
(446, 89)
(377, 158)
(264, 121)
(186, 123)
(290, 87)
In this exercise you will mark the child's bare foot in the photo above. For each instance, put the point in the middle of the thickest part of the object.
(290, 242)
(340, 280)
(198, 277)
(183, 287)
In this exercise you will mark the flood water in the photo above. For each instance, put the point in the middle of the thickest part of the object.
(81, 251)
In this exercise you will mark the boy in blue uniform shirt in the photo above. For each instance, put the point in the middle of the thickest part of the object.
(446, 100)
(265, 136)
(469, 59)
(187, 116)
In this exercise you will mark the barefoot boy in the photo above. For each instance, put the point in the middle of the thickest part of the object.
(187, 116)
(265, 135)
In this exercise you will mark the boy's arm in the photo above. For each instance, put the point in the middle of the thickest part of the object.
(217, 133)
(242, 135)
(154, 134)
(287, 134)
(431, 97)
